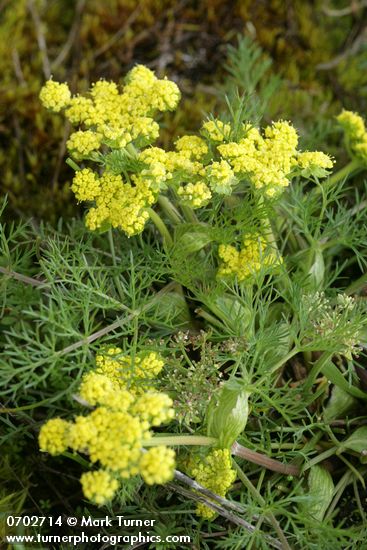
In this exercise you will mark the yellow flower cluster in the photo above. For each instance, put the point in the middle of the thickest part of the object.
(99, 486)
(249, 260)
(215, 473)
(116, 128)
(86, 185)
(55, 96)
(54, 439)
(268, 160)
(116, 119)
(355, 133)
(82, 143)
(115, 432)
(216, 130)
(155, 408)
(127, 372)
(117, 203)
(309, 159)
(221, 177)
(195, 195)
(114, 116)
(148, 465)
(193, 147)
(352, 124)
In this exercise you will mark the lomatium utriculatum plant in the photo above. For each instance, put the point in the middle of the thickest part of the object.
(249, 228)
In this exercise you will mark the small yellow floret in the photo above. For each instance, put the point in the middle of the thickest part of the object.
(221, 177)
(53, 436)
(165, 95)
(157, 465)
(55, 96)
(195, 194)
(215, 473)
(145, 127)
(352, 124)
(249, 260)
(102, 90)
(99, 486)
(83, 143)
(192, 146)
(141, 75)
(155, 408)
(283, 135)
(96, 388)
(314, 159)
(216, 130)
(148, 366)
(230, 260)
(153, 155)
(86, 185)
(80, 109)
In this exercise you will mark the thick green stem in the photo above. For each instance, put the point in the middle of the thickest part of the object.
(343, 173)
(284, 282)
(316, 369)
(269, 230)
(320, 458)
(169, 209)
(73, 164)
(161, 226)
(189, 214)
(357, 286)
(236, 450)
(283, 361)
(177, 440)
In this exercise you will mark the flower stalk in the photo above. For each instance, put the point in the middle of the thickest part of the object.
(236, 450)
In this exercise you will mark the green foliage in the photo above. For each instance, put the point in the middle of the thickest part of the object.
(227, 413)
(275, 361)
(67, 293)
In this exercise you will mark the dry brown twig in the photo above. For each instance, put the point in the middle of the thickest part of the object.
(218, 504)
(353, 8)
(40, 38)
(65, 50)
(358, 43)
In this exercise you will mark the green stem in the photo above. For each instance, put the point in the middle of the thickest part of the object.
(307, 357)
(270, 233)
(169, 209)
(284, 282)
(320, 458)
(283, 361)
(268, 514)
(352, 166)
(73, 164)
(131, 150)
(114, 261)
(77, 458)
(316, 369)
(206, 315)
(176, 440)
(357, 285)
(161, 226)
(189, 214)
